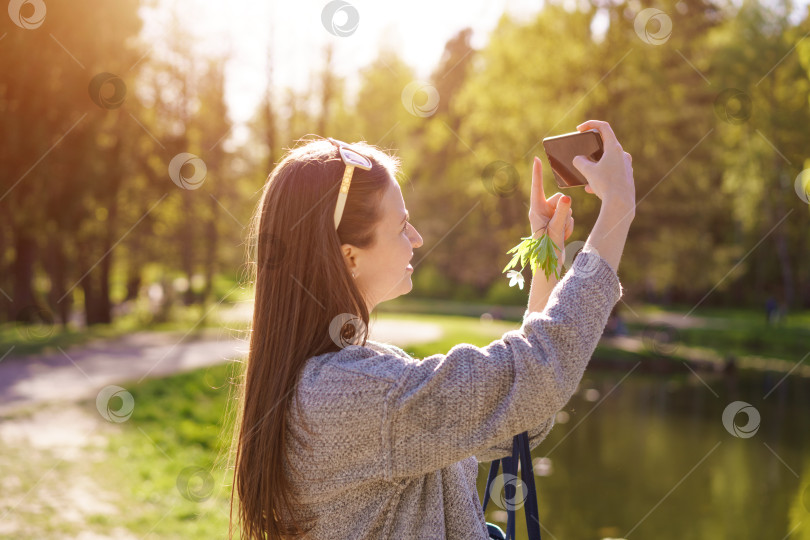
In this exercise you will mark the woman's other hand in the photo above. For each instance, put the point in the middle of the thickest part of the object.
(554, 213)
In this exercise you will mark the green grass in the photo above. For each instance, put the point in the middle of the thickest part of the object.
(427, 306)
(177, 423)
(39, 338)
(782, 343)
(180, 422)
(455, 329)
(798, 318)
(747, 333)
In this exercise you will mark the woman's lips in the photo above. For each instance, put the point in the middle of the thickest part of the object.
(409, 267)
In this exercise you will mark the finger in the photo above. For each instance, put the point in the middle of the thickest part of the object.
(553, 200)
(588, 189)
(560, 216)
(583, 164)
(538, 197)
(604, 129)
(569, 228)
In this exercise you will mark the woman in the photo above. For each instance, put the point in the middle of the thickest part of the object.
(351, 438)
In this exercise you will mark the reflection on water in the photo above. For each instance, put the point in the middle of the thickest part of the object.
(647, 457)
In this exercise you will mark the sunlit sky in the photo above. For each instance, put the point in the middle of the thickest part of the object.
(292, 32)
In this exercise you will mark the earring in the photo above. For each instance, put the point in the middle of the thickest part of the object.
(354, 275)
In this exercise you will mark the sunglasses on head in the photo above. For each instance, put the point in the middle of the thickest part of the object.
(351, 158)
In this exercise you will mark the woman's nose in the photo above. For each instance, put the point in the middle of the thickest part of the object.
(417, 241)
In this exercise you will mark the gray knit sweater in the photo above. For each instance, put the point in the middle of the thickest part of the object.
(397, 440)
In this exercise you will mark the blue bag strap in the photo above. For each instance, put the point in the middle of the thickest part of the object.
(510, 466)
(521, 452)
(527, 476)
(493, 472)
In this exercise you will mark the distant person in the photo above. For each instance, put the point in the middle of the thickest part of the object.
(771, 310)
(353, 438)
(615, 325)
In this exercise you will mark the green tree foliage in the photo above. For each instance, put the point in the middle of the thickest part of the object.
(715, 114)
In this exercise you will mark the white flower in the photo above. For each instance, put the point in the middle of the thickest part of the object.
(515, 277)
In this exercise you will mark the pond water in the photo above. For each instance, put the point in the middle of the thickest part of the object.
(649, 457)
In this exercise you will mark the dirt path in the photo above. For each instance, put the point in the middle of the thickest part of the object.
(81, 372)
(49, 444)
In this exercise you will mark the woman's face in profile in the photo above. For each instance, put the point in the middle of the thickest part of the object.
(384, 270)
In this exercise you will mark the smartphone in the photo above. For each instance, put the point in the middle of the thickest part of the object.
(562, 149)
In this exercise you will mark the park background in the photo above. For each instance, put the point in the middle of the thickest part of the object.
(136, 138)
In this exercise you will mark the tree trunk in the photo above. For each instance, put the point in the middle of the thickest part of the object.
(55, 264)
(23, 305)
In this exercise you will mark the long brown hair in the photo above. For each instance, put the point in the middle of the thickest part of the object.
(302, 284)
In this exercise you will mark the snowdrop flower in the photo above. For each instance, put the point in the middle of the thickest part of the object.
(515, 277)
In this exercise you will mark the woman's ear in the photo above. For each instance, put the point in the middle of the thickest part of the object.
(350, 257)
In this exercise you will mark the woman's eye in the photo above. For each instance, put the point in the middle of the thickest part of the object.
(405, 227)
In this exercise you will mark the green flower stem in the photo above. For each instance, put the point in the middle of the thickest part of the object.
(539, 252)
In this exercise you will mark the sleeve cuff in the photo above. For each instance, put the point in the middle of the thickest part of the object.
(590, 265)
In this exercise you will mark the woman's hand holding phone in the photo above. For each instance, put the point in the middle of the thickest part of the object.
(610, 178)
